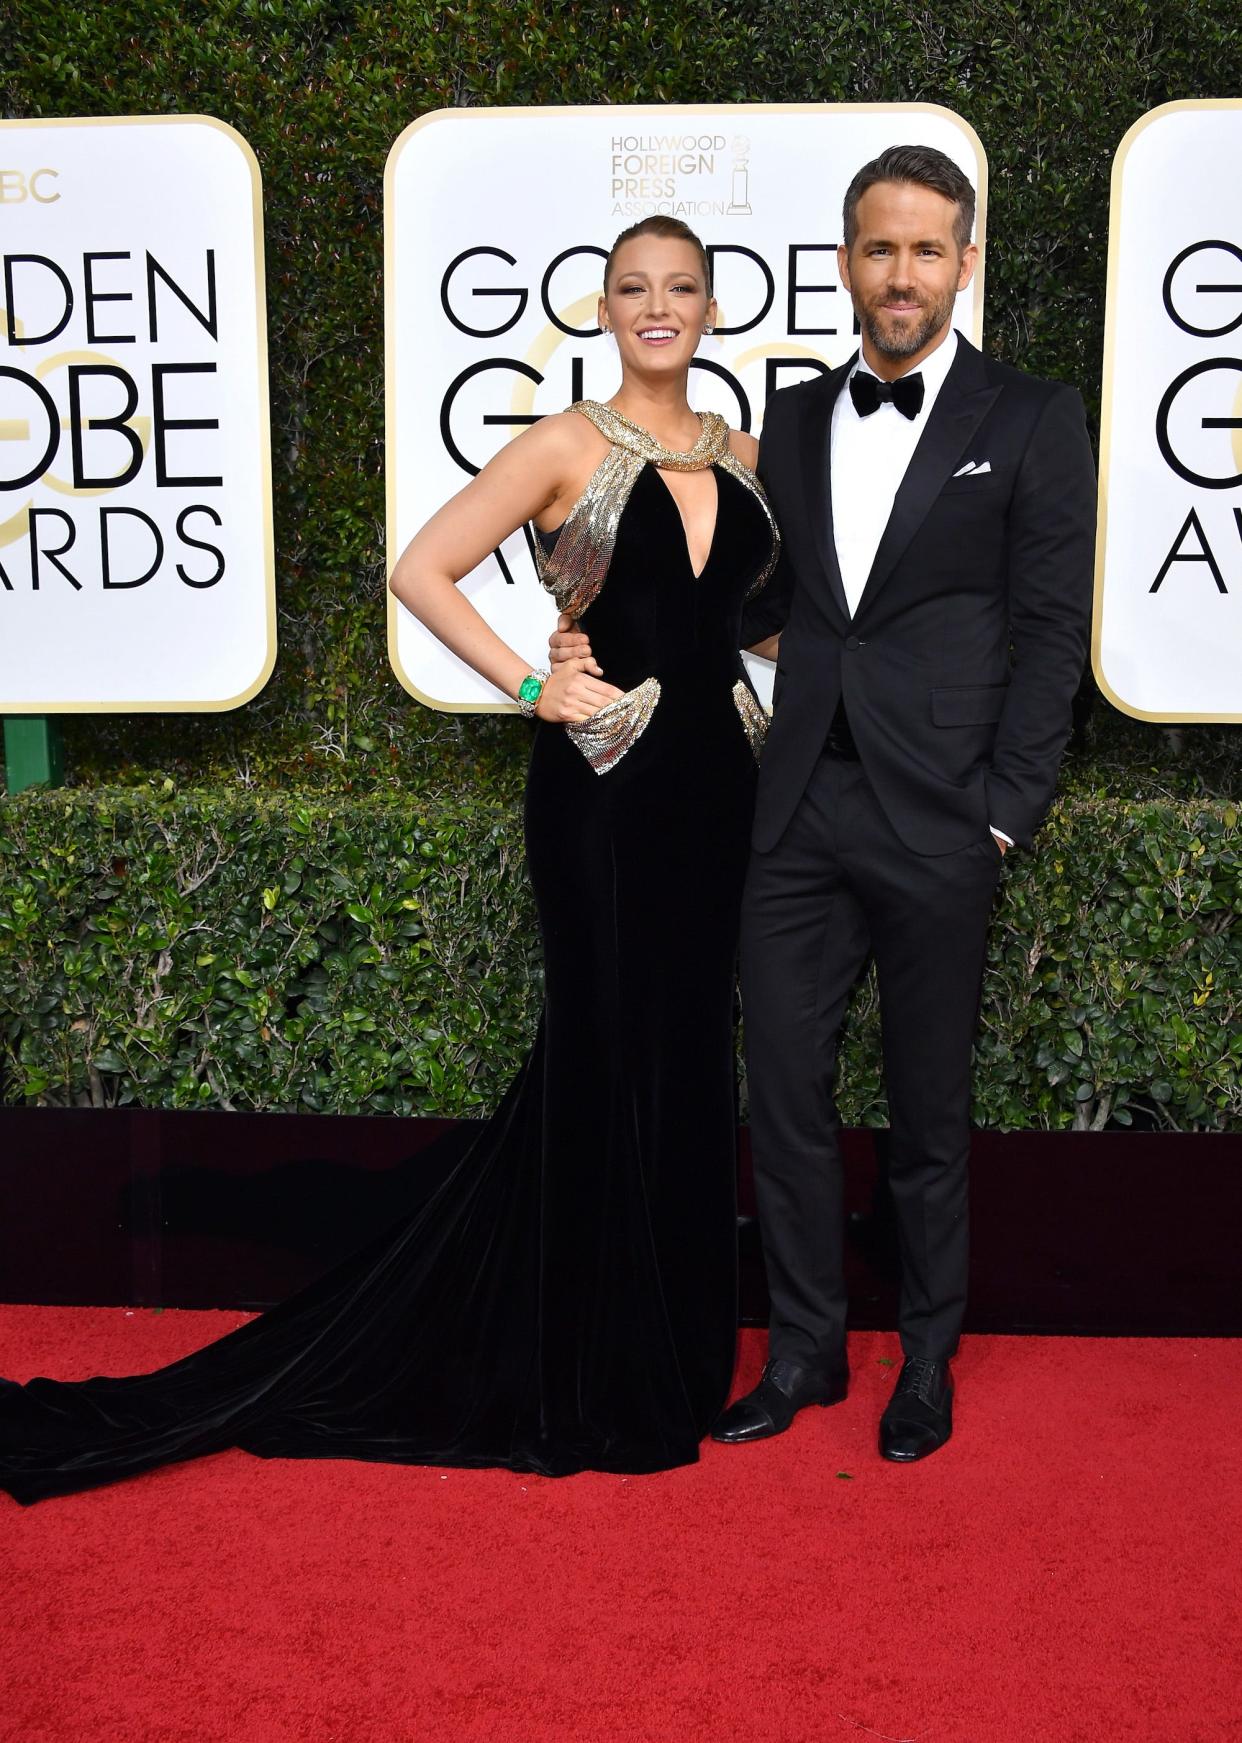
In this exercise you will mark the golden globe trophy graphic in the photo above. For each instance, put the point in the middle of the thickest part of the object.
(739, 200)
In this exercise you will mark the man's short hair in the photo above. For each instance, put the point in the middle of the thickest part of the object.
(927, 168)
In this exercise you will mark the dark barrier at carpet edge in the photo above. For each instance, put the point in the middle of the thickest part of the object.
(1109, 1233)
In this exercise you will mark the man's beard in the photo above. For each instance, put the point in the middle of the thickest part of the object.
(903, 338)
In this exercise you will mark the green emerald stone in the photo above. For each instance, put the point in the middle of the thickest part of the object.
(530, 689)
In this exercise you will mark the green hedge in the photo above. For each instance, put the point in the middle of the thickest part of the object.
(262, 953)
(322, 88)
(349, 954)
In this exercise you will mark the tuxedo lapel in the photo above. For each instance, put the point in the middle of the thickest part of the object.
(815, 446)
(960, 408)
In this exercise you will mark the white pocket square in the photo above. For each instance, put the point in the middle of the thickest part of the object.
(973, 469)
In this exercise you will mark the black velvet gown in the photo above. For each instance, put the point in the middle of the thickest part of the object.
(565, 1300)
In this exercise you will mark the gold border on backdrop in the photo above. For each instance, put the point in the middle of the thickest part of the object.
(1106, 404)
(265, 433)
(544, 110)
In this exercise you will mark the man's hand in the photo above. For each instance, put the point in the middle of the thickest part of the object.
(570, 643)
(1001, 843)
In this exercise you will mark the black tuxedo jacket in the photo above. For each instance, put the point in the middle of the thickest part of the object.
(960, 665)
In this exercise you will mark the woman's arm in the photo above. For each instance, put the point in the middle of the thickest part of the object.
(528, 476)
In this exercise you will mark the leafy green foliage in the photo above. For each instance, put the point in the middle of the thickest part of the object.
(1113, 984)
(345, 953)
(327, 955)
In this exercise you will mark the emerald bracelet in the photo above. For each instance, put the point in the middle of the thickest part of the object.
(530, 690)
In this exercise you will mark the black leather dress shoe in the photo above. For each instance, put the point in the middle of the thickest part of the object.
(776, 1400)
(919, 1416)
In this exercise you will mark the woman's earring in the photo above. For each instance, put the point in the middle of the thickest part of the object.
(709, 329)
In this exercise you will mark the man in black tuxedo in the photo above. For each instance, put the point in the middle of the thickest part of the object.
(932, 609)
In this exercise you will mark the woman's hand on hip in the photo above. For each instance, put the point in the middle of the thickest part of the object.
(571, 693)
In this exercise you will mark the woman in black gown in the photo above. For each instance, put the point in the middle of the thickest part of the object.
(566, 1299)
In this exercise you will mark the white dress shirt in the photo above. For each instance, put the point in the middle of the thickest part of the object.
(868, 460)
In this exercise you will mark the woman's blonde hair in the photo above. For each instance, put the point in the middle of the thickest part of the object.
(659, 224)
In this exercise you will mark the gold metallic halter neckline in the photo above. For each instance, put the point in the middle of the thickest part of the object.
(623, 432)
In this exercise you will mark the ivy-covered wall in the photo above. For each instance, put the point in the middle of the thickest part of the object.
(318, 901)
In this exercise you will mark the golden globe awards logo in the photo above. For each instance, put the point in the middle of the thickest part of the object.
(1169, 553)
(135, 522)
(102, 445)
(492, 286)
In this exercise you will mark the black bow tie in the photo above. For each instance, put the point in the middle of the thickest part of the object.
(869, 393)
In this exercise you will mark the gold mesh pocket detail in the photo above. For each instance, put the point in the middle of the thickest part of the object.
(755, 722)
(607, 735)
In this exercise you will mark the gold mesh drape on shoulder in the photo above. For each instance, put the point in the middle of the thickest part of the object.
(573, 572)
(736, 468)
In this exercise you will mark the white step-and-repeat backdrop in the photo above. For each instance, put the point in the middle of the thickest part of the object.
(136, 563)
(1168, 635)
(497, 224)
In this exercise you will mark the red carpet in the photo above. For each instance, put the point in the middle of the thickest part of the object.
(1067, 1569)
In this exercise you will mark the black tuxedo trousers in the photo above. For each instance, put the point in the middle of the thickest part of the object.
(842, 887)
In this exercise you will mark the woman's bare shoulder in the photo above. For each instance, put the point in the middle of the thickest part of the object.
(744, 447)
(555, 454)
(565, 435)
(563, 450)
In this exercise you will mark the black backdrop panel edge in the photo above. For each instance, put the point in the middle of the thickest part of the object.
(1107, 1233)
